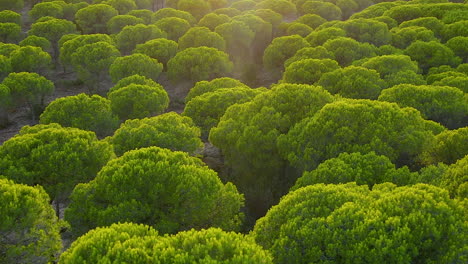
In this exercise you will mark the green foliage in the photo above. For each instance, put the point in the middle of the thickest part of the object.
(201, 36)
(174, 27)
(117, 23)
(131, 243)
(15, 5)
(10, 32)
(169, 191)
(70, 44)
(36, 41)
(368, 30)
(364, 169)
(244, 5)
(134, 79)
(319, 37)
(5, 103)
(311, 20)
(196, 64)
(347, 50)
(198, 8)
(53, 30)
(29, 229)
(455, 179)
(446, 147)
(171, 12)
(138, 101)
(283, 7)
(92, 62)
(388, 65)
(30, 59)
(51, 9)
(403, 37)
(353, 82)
(206, 110)
(358, 126)
(143, 14)
(7, 48)
(431, 54)
(57, 158)
(9, 16)
(310, 53)
(308, 71)
(123, 242)
(213, 20)
(228, 11)
(300, 29)
(130, 36)
(459, 46)
(160, 49)
(5, 66)
(30, 89)
(137, 63)
(431, 23)
(456, 29)
(247, 135)
(238, 36)
(169, 130)
(404, 12)
(327, 10)
(82, 111)
(443, 104)
(203, 87)
(460, 82)
(410, 224)
(122, 6)
(281, 49)
(94, 18)
(269, 16)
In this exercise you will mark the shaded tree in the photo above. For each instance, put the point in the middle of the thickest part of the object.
(198, 8)
(36, 41)
(94, 18)
(283, 7)
(171, 12)
(92, 62)
(53, 30)
(160, 49)
(5, 103)
(9, 16)
(10, 32)
(247, 135)
(30, 231)
(30, 89)
(353, 82)
(347, 50)
(455, 179)
(196, 64)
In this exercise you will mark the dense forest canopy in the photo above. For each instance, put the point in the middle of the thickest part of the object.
(233, 131)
